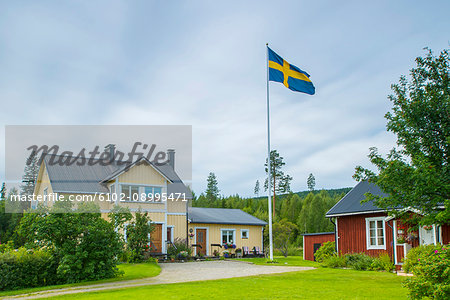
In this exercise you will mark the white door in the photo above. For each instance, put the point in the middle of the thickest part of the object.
(426, 237)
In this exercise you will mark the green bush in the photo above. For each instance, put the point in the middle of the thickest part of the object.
(124, 256)
(6, 247)
(325, 251)
(359, 261)
(24, 268)
(415, 254)
(382, 263)
(138, 236)
(85, 246)
(431, 273)
(335, 261)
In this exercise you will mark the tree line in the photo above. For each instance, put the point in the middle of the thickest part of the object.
(306, 210)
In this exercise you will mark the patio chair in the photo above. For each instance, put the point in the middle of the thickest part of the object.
(258, 252)
(245, 252)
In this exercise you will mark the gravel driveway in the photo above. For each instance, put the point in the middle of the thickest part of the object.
(177, 272)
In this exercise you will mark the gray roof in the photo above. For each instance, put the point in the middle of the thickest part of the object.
(317, 233)
(88, 179)
(222, 216)
(351, 203)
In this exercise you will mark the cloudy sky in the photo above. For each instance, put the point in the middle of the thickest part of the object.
(202, 63)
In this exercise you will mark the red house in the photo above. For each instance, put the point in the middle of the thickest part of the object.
(363, 227)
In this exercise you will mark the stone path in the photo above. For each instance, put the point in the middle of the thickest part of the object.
(175, 273)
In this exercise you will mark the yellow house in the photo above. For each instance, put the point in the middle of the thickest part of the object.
(123, 184)
(211, 228)
(130, 184)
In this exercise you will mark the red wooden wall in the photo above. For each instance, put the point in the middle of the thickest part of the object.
(445, 234)
(310, 240)
(352, 235)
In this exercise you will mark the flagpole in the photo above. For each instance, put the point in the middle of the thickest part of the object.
(268, 160)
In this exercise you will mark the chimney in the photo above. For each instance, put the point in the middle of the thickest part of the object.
(110, 148)
(171, 157)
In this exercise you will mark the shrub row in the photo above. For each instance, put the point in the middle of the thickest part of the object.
(360, 262)
(27, 268)
(327, 255)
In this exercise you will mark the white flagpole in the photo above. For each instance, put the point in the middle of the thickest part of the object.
(268, 161)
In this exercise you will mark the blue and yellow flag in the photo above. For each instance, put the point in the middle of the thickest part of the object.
(291, 76)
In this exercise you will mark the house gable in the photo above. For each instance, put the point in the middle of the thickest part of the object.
(142, 173)
(43, 181)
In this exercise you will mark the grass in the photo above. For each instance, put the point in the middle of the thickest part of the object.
(131, 271)
(313, 284)
(321, 283)
(282, 261)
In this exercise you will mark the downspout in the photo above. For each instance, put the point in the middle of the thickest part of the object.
(335, 236)
(187, 224)
(394, 244)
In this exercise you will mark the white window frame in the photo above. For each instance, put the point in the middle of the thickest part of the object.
(228, 229)
(248, 234)
(368, 245)
(129, 192)
(141, 192)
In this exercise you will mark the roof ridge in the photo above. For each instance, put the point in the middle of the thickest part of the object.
(216, 208)
(78, 157)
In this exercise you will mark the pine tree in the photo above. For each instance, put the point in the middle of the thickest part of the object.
(30, 175)
(311, 182)
(280, 182)
(212, 189)
(257, 188)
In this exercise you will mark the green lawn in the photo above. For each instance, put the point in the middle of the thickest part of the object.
(132, 271)
(321, 283)
(282, 261)
(315, 284)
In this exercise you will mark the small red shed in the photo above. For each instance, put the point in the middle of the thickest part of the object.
(313, 241)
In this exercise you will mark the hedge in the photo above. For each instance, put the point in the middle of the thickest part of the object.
(24, 268)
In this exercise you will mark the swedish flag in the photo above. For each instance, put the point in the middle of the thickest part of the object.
(291, 76)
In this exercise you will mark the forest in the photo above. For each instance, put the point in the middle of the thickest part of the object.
(306, 210)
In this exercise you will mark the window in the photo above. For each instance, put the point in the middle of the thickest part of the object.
(130, 192)
(125, 192)
(244, 233)
(141, 193)
(153, 194)
(375, 233)
(134, 193)
(227, 236)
